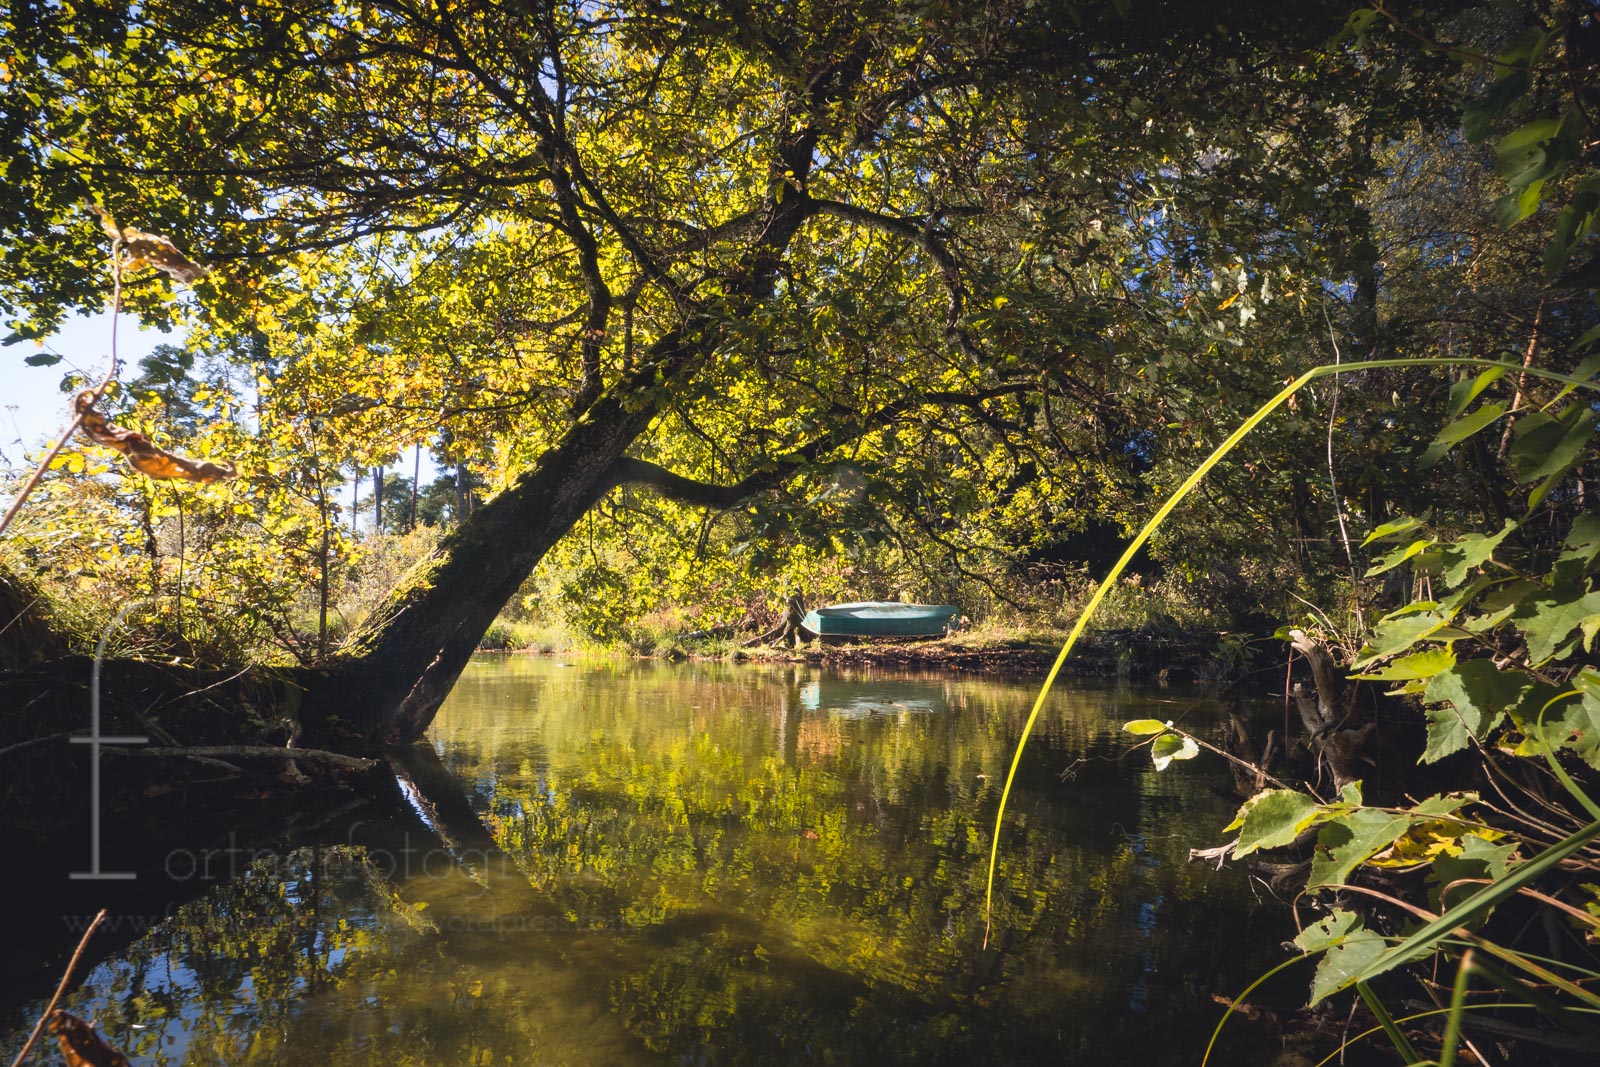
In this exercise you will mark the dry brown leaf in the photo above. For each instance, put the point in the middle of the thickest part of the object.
(81, 1046)
(149, 249)
(142, 455)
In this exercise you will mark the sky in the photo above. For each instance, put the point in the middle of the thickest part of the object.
(33, 409)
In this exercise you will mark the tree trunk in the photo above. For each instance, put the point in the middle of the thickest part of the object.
(385, 688)
(416, 473)
(377, 500)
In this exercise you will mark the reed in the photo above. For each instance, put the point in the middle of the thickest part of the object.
(1450, 924)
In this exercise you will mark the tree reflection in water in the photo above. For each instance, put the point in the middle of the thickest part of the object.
(726, 865)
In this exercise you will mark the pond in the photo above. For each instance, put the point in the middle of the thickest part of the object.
(643, 863)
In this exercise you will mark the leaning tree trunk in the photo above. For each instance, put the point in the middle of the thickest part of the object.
(386, 686)
(399, 667)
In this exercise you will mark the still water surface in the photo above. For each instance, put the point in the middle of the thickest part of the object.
(718, 864)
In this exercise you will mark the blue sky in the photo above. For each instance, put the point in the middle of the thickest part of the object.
(33, 409)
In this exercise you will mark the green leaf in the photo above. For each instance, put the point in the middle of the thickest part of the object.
(1392, 529)
(1447, 733)
(1519, 142)
(1169, 747)
(1499, 604)
(1321, 936)
(1350, 840)
(1574, 222)
(1398, 556)
(1467, 390)
(1477, 119)
(1145, 726)
(1411, 609)
(1547, 619)
(1464, 595)
(1516, 78)
(1345, 952)
(1479, 694)
(1471, 551)
(1583, 539)
(1417, 665)
(1576, 724)
(1587, 369)
(1525, 715)
(1516, 206)
(1396, 635)
(42, 359)
(1460, 430)
(1273, 819)
(1441, 804)
(1547, 446)
(1479, 858)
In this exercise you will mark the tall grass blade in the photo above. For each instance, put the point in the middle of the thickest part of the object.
(1346, 1045)
(1240, 999)
(1437, 930)
(1555, 764)
(1160, 516)
(1574, 1019)
(1458, 1000)
(1386, 1021)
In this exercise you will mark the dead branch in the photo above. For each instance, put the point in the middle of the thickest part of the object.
(61, 987)
(215, 753)
(143, 455)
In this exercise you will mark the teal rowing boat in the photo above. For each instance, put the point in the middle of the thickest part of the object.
(880, 618)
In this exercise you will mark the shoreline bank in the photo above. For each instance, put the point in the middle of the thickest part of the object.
(1143, 654)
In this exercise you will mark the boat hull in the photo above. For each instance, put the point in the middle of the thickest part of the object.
(881, 619)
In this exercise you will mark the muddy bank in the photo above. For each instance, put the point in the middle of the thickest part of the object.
(1141, 654)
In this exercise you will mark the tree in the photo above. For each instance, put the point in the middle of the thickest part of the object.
(733, 257)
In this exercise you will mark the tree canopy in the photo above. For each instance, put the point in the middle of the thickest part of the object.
(939, 288)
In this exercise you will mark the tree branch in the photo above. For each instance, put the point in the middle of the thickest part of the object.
(630, 471)
(924, 237)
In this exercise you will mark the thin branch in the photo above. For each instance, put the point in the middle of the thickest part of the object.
(1333, 481)
(922, 236)
(213, 752)
(61, 988)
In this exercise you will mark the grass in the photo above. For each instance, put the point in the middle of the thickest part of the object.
(526, 635)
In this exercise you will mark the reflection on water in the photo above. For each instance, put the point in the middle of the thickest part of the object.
(723, 865)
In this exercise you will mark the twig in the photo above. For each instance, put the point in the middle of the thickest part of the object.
(212, 752)
(31, 742)
(66, 977)
(1209, 747)
(1333, 481)
(1447, 49)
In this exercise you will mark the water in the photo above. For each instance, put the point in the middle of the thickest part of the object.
(709, 864)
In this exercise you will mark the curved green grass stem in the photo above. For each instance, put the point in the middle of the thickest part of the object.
(1549, 751)
(1177, 497)
(1240, 999)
